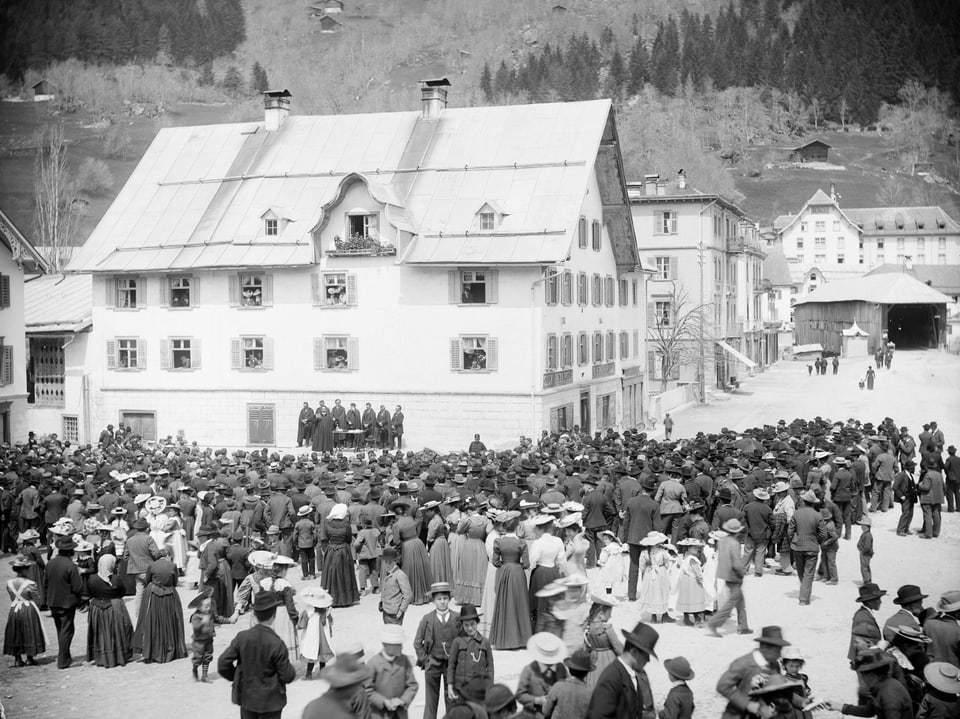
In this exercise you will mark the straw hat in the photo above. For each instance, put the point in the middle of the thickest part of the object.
(654, 538)
(391, 634)
(570, 520)
(949, 601)
(345, 671)
(316, 597)
(546, 648)
(775, 684)
(943, 677)
(261, 559)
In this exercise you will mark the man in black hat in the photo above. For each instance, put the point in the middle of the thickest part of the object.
(740, 677)
(623, 689)
(641, 515)
(258, 664)
(63, 597)
(865, 632)
(140, 550)
(910, 614)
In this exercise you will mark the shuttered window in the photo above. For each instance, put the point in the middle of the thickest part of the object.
(552, 348)
(582, 233)
(4, 291)
(473, 287)
(596, 235)
(583, 289)
(583, 349)
(623, 293)
(126, 353)
(474, 353)
(261, 423)
(6, 365)
(251, 353)
(126, 293)
(566, 350)
(624, 346)
(251, 290)
(608, 291)
(336, 353)
(334, 289)
(597, 291)
(180, 353)
(179, 292)
(611, 346)
(597, 347)
(566, 288)
(551, 288)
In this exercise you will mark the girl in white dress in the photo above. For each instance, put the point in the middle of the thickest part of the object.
(691, 597)
(316, 628)
(711, 595)
(614, 563)
(654, 595)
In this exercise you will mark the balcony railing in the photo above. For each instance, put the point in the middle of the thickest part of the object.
(604, 370)
(360, 245)
(557, 378)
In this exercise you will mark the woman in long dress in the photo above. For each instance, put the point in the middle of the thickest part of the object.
(471, 569)
(546, 555)
(35, 572)
(710, 571)
(440, 565)
(159, 635)
(654, 595)
(109, 629)
(23, 634)
(176, 537)
(338, 576)
(323, 431)
(600, 638)
(454, 539)
(511, 616)
(490, 580)
(691, 598)
(285, 625)
(414, 559)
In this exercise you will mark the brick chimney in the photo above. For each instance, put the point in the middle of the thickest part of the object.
(682, 179)
(433, 97)
(650, 184)
(276, 107)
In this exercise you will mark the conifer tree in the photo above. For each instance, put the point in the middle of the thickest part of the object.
(638, 70)
(486, 83)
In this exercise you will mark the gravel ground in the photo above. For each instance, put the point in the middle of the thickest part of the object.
(921, 386)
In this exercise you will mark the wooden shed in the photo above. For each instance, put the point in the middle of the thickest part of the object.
(813, 151)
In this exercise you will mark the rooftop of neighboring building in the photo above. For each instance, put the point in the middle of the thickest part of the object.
(945, 278)
(776, 268)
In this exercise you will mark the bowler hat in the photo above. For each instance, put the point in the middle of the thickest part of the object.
(389, 553)
(66, 544)
(870, 591)
(139, 524)
(909, 593)
(497, 697)
(772, 635)
(468, 611)
(913, 634)
(475, 690)
(679, 667)
(266, 600)
(581, 661)
(643, 637)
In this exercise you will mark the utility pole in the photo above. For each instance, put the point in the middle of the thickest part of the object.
(702, 359)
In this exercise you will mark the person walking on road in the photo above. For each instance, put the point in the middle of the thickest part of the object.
(63, 597)
(871, 375)
(730, 570)
(803, 530)
(667, 426)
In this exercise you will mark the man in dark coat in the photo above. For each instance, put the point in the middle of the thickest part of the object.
(597, 513)
(140, 551)
(641, 515)
(353, 417)
(258, 664)
(739, 678)
(757, 518)
(368, 421)
(841, 490)
(803, 533)
(865, 632)
(623, 690)
(396, 426)
(63, 596)
(305, 425)
(384, 429)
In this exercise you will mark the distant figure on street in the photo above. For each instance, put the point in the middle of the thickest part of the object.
(810, 370)
(870, 377)
(667, 426)
(836, 364)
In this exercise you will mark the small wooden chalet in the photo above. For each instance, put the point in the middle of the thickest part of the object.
(813, 151)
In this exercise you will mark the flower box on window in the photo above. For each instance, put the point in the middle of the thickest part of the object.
(360, 245)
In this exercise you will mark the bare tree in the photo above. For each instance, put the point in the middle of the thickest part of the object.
(676, 332)
(55, 195)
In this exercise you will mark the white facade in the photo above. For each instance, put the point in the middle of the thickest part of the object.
(402, 320)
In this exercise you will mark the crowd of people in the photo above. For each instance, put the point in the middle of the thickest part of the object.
(326, 429)
(510, 538)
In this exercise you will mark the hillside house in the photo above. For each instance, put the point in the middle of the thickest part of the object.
(328, 24)
(19, 260)
(475, 265)
(813, 151)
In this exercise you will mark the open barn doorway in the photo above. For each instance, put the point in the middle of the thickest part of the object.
(913, 326)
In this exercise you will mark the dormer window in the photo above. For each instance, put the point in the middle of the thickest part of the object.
(275, 220)
(488, 220)
(919, 224)
(489, 216)
(879, 224)
(365, 226)
(271, 228)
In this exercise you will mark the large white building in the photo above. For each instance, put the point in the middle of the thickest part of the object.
(705, 250)
(477, 266)
(823, 242)
(19, 260)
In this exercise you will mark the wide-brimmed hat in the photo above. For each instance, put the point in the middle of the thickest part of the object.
(865, 521)
(27, 536)
(261, 559)
(389, 553)
(643, 637)
(344, 671)
(772, 635)
(775, 684)
(118, 512)
(943, 676)
(440, 587)
(949, 601)
(196, 601)
(690, 542)
(604, 600)
(542, 519)
(654, 538)
(909, 593)
(779, 487)
(552, 508)
(139, 524)
(792, 653)
(281, 560)
(316, 597)
(546, 648)
(141, 498)
(761, 493)
(507, 516)
(912, 634)
(679, 667)
(580, 660)
(391, 634)
(475, 690)
(570, 520)
(732, 526)
(83, 546)
(21, 562)
(468, 611)
(497, 697)
(273, 529)
(870, 591)
(304, 510)
(552, 589)
(810, 497)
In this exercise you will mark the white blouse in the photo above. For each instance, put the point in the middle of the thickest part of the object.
(547, 551)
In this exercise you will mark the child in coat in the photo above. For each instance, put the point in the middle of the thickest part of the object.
(367, 548)
(539, 676)
(570, 698)
(390, 683)
(865, 548)
(792, 661)
(679, 701)
(601, 639)
(314, 623)
(204, 625)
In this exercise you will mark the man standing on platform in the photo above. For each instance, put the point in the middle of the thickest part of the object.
(305, 425)
(384, 434)
(368, 422)
(339, 414)
(396, 424)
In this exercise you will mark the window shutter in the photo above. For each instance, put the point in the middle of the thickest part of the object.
(4, 291)
(253, 424)
(546, 356)
(194, 291)
(142, 288)
(236, 353)
(675, 371)
(352, 290)
(353, 353)
(636, 343)
(566, 289)
(546, 291)
(268, 352)
(318, 353)
(651, 316)
(110, 292)
(316, 285)
(453, 287)
(111, 354)
(166, 361)
(141, 353)
(599, 415)
(493, 352)
(234, 286)
(6, 377)
(652, 364)
(493, 289)
(163, 291)
(456, 357)
(674, 268)
(554, 421)
(195, 352)
(268, 290)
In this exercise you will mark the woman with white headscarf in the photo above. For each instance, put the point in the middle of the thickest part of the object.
(109, 629)
(339, 579)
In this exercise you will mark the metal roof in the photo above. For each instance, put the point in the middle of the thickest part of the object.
(945, 278)
(885, 289)
(196, 198)
(487, 249)
(900, 221)
(58, 303)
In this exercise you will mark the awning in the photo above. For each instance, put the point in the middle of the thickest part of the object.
(737, 354)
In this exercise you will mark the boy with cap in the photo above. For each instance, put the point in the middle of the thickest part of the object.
(679, 702)
(433, 643)
(367, 548)
(396, 592)
(305, 538)
(203, 625)
(471, 656)
(570, 698)
(865, 548)
(390, 683)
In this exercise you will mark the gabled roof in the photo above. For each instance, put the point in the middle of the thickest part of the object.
(900, 221)
(20, 247)
(776, 268)
(783, 222)
(196, 197)
(884, 289)
(812, 142)
(945, 278)
(58, 303)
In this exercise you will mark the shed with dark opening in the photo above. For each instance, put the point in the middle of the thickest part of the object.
(912, 313)
(813, 151)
